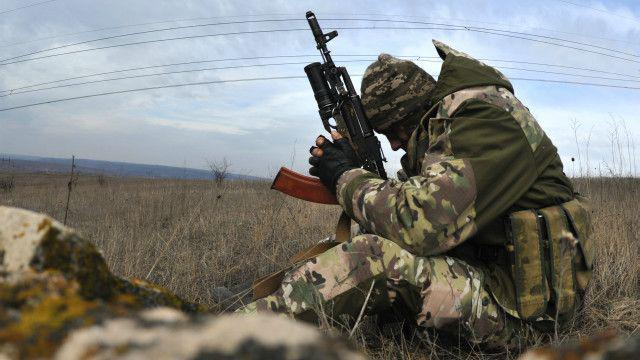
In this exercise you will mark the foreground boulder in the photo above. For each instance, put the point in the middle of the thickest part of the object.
(59, 299)
(164, 333)
(605, 346)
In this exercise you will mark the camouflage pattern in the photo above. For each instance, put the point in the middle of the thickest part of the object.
(562, 249)
(441, 292)
(426, 215)
(579, 214)
(393, 91)
(532, 292)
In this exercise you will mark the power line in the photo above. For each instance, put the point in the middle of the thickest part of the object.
(564, 74)
(161, 66)
(596, 9)
(560, 66)
(160, 30)
(14, 92)
(469, 28)
(272, 78)
(150, 88)
(146, 32)
(576, 83)
(477, 28)
(503, 33)
(194, 37)
(26, 6)
(156, 41)
(556, 44)
(133, 25)
(395, 16)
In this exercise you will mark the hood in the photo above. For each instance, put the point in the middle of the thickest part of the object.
(460, 71)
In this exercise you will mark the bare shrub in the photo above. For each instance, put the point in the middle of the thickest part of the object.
(7, 184)
(219, 170)
(102, 180)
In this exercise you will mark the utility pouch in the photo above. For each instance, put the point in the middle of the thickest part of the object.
(561, 248)
(578, 213)
(527, 266)
(551, 257)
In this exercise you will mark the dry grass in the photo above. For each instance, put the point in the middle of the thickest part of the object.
(192, 236)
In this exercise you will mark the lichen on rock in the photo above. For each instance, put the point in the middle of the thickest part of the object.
(52, 281)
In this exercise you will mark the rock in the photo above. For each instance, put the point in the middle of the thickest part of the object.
(608, 345)
(58, 299)
(164, 333)
(52, 281)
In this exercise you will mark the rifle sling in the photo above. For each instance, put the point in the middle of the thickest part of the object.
(267, 284)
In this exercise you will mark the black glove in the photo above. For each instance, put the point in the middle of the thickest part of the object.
(337, 158)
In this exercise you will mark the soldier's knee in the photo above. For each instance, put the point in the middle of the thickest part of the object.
(366, 242)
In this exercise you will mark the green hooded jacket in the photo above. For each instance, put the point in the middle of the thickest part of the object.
(477, 155)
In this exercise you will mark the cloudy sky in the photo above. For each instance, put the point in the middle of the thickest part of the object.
(261, 125)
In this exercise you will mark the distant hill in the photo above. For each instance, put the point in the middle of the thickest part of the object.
(110, 168)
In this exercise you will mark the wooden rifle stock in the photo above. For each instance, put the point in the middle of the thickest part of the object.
(303, 187)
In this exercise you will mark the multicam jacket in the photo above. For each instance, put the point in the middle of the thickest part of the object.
(477, 155)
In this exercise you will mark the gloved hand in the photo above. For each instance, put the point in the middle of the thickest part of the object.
(329, 159)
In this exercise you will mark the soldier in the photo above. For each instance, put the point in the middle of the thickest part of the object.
(480, 234)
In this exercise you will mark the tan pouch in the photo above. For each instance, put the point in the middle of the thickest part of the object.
(561, 253)
(532, 291)
(578, 213)
(548, 264)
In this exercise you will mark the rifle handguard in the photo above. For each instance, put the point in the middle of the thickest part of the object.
(303, 187)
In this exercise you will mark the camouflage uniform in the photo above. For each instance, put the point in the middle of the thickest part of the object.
(436, 248)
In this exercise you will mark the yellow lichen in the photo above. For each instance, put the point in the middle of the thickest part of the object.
(45, 223)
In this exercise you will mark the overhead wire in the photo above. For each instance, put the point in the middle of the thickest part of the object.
(475, 28)
(432, 26)
(133, 25)
(158, 66)
(2, 12)
(412, 57)
(440, 26)
(394, 16)
(151, 88)
(147, 32)
(13, 92)
(200, 83)
(17, 92)
(598, 10)
(157, 41)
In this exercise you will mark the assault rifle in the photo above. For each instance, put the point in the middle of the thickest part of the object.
(340, 109)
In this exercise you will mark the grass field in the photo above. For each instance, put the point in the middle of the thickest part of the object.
(193, 236)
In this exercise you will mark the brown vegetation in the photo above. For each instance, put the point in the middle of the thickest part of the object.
(193, 236)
